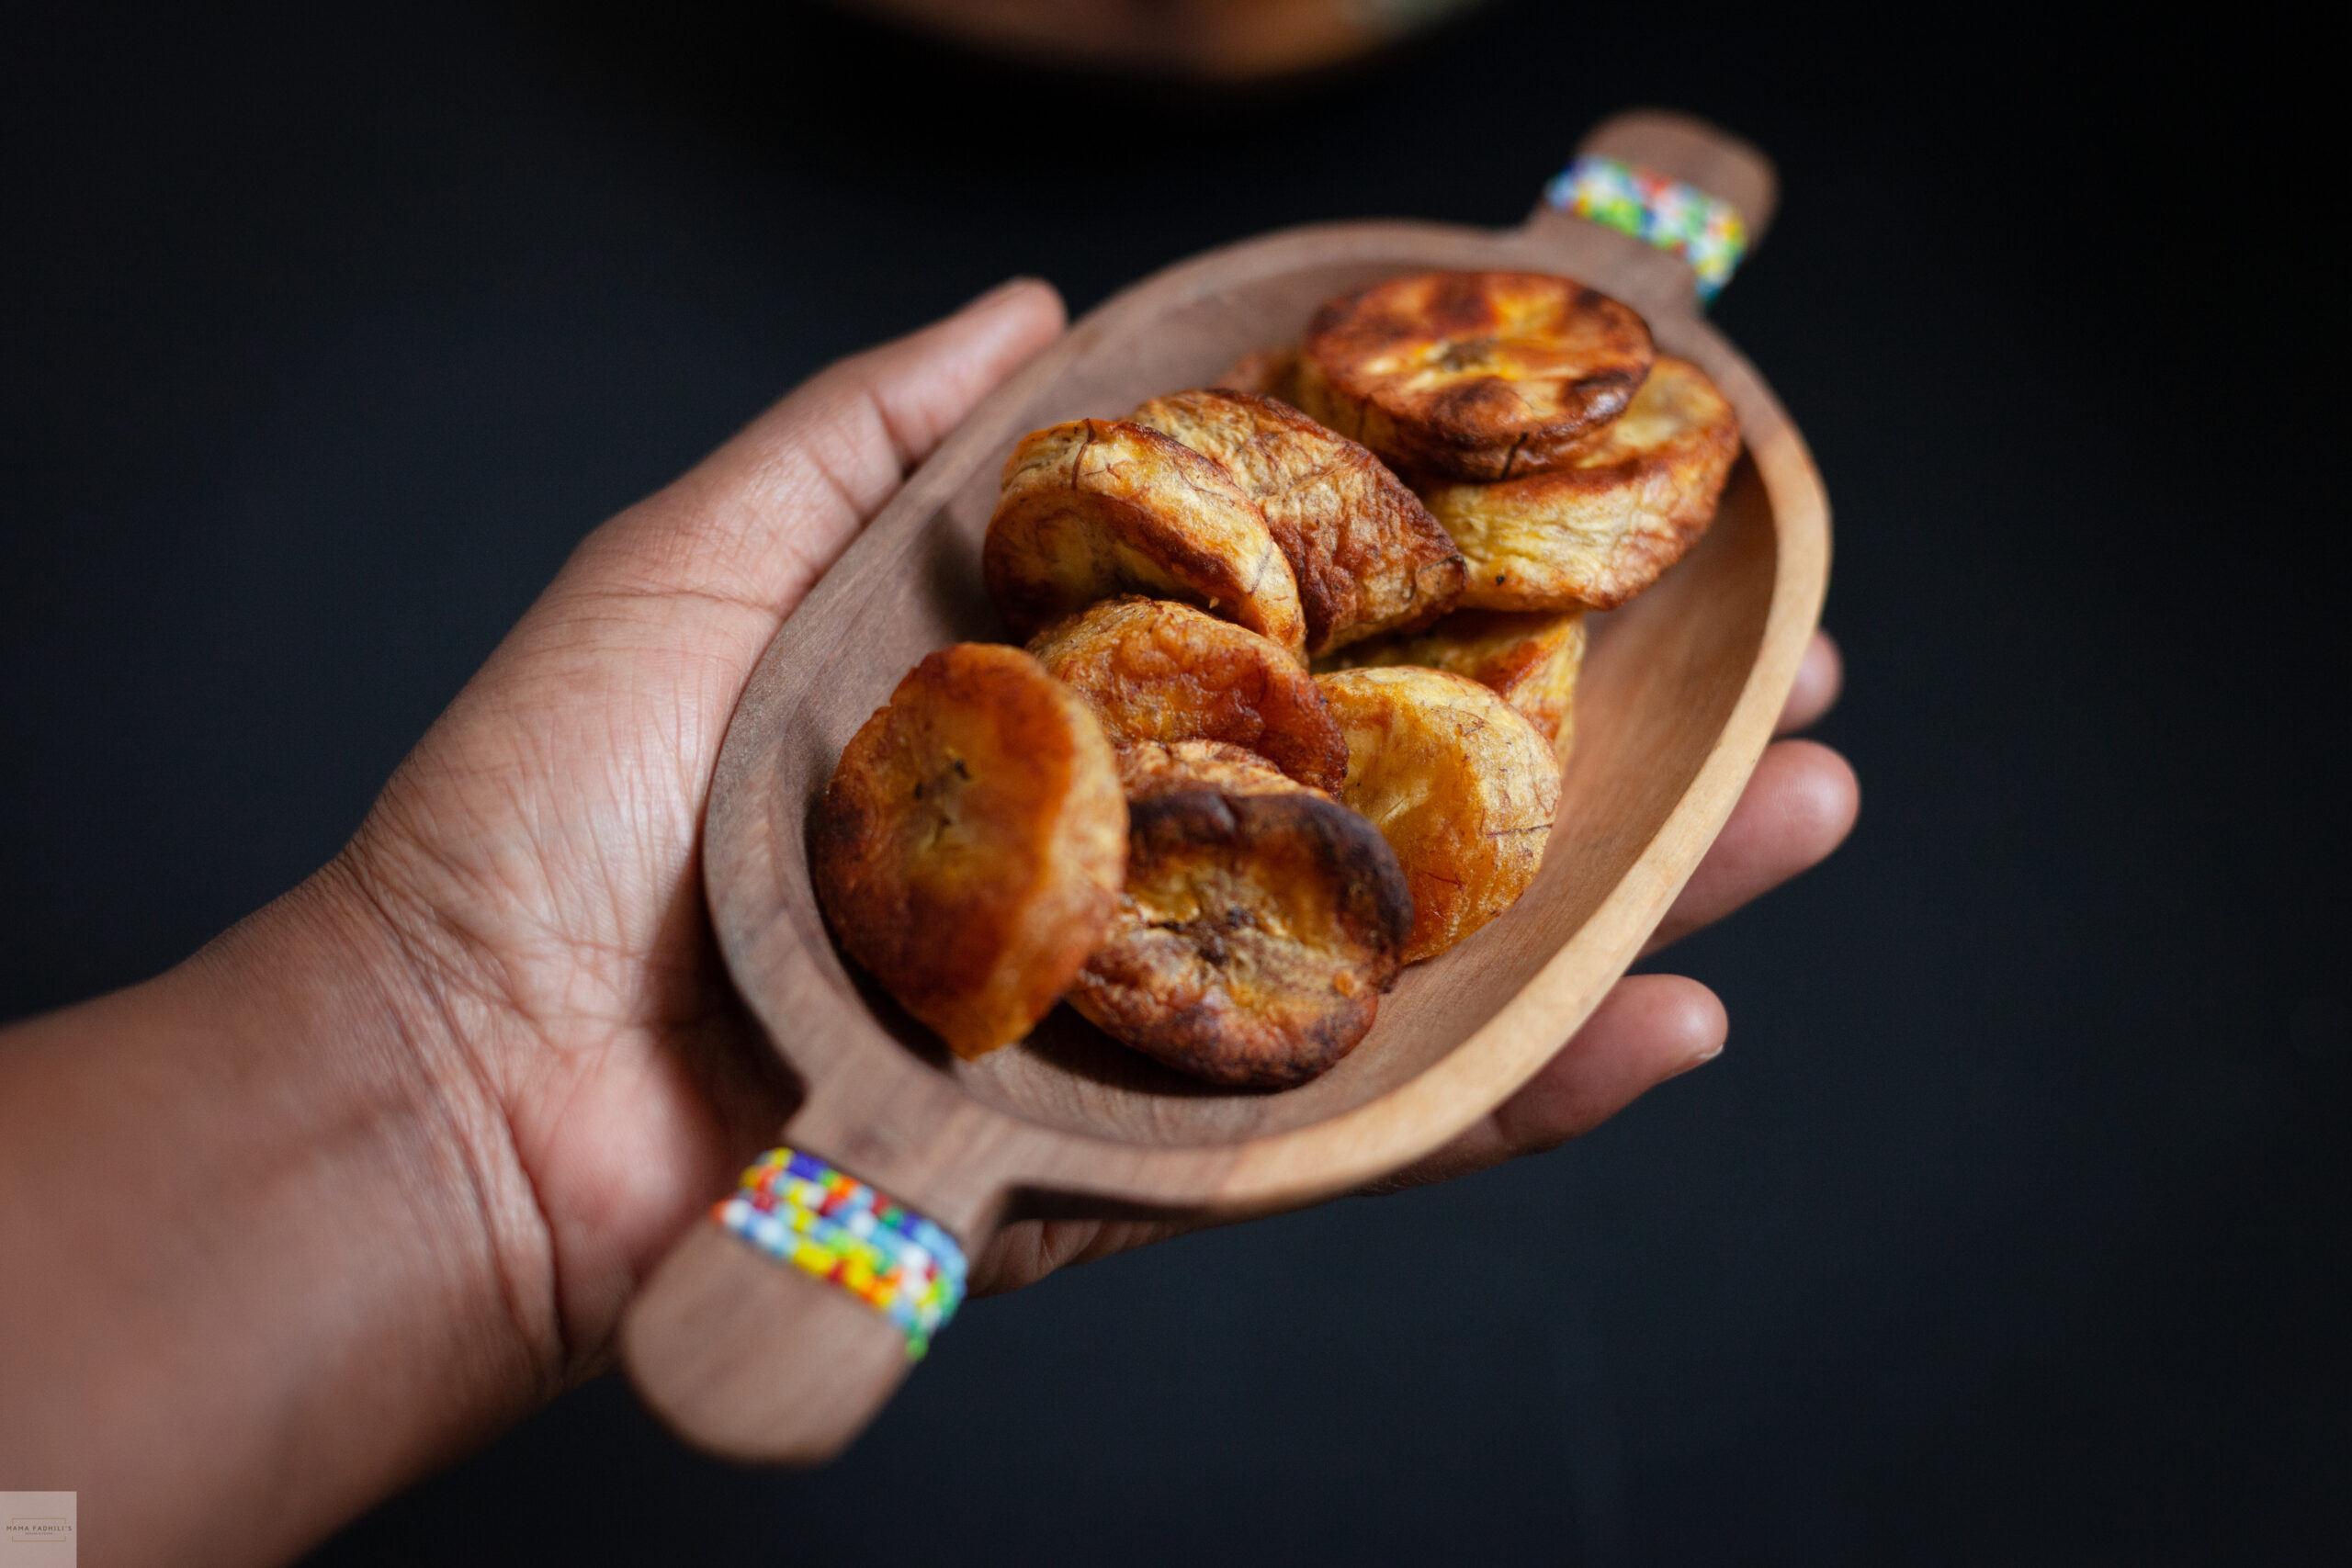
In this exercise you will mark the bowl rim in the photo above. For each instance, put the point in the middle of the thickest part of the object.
(903, 1126)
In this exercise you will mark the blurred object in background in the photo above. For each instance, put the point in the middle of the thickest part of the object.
(1226, 41)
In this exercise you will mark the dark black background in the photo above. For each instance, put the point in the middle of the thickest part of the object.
(2012, 1227)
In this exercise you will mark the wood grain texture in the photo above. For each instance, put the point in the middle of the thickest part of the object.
(1677, 700)
(757, 1360)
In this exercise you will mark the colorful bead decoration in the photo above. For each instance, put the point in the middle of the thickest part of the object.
(796, 1208)
(1704, 230)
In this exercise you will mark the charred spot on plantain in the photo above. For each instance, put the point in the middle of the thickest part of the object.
(1473, 354)
(1260, 924)
(1472, 376)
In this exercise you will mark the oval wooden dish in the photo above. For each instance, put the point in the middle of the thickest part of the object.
(757, 1360)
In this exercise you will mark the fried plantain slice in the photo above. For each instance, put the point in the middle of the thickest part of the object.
(1480, 376)
(1630, 501)
(970, 846)
(1148, 767)
(1529, 659)
(1459, 783)
(1153, 670)
(1367, 556)
(1098, 507)
(1260, 923)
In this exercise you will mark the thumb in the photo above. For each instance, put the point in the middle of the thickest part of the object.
(758, 520)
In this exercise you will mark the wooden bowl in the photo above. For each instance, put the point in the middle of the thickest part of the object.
(756, 1359)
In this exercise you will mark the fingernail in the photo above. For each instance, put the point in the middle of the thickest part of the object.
(1010, 286)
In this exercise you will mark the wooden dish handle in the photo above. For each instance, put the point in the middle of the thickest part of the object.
(754, 1359)
(785, 1319)
(1680, 148)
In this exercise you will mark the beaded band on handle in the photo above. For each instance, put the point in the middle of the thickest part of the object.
(795, 1207)
(1704, 230)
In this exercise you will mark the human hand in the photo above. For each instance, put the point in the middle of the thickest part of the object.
(375, 1171)
(535, 861)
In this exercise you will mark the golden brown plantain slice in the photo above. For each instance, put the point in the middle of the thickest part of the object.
(1529, 659)
(1367, 556)
(1630, 500)
(970, 847)
(1460, 784)
(1153, 670)
(1147, 767)
(1098, 507)
(1477, 376)
(1261, 922)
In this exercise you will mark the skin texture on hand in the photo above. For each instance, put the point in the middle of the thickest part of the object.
(377, 1170)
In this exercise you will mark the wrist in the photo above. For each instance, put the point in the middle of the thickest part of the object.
(397, 993)
(277, 1226)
